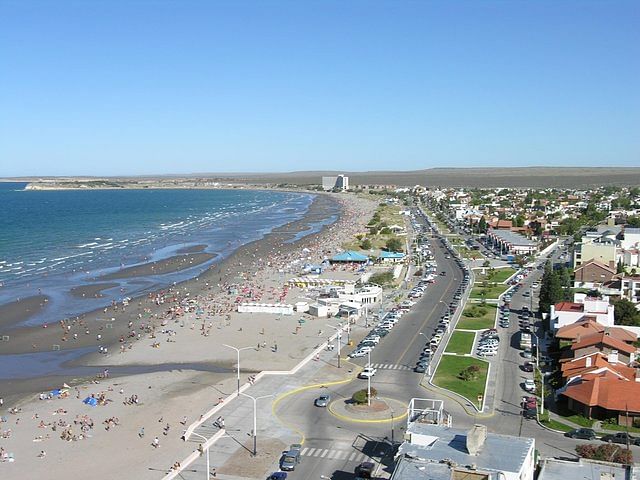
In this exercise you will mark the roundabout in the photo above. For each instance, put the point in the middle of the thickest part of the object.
(381, 410)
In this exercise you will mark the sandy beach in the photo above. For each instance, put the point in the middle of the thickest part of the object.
(188, 323)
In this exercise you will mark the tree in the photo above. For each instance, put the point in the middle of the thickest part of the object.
(518, 221)
(606, 452)
(365, 244)
(620, 267)
(482, 225)
(625, 312)
(394, 244)
(551, 290)
(633, 222)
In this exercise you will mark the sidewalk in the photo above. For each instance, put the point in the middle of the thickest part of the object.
(231, 455)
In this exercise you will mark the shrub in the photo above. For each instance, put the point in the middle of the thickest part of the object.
(470, 373)
(360, 397)
(385, 231)
(365, 244)
(606, 452)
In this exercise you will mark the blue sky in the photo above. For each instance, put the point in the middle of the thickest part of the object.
(144, 87)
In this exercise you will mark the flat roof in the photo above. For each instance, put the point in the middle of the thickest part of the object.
(513, 238)
(413, 469)
(500, 452)
(554, 469)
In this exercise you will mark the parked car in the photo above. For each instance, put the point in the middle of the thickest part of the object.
(322, 400)
(365, 470)
(357, 353)
(620, 437)
(583, 433)
(420, 368)
(527, 367)
(529, 385)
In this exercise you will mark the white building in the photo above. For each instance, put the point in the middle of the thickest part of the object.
(341, 182)
(439, 452)
(567, 313)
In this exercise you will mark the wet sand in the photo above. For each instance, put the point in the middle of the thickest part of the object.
(91, 291)
(112, 323)
(192, 249)
(168, 265)
(20, 310)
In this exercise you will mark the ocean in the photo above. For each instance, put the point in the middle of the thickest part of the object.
(53, 241)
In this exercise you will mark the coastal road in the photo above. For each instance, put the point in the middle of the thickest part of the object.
(333, 447)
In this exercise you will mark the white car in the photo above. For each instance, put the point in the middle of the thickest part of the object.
(368, 372)
(488, 353)
(357, 353)
(529, 385)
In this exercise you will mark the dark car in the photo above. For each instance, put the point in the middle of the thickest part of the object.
(583, 433)
(365, 470)
(527, 367)
(278, 476)
(420, 368)
(530, 413)
(621, 437)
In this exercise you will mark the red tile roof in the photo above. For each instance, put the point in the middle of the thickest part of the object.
(589, 326)
(569, 307)
(606, 390)
(604, 339)
(579, 366)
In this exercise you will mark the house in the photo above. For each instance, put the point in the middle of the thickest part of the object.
(604, 395)
(615, 349)
(440, 452)
(601, 246)
(349, 256)
(596, 362)
(584, 469)
(587, 326)
(567, 313)
(593, 274)
(391, 257)
(630, 287)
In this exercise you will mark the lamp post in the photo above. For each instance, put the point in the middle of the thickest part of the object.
(238, 350)
(205, 441)
(255, 420)
(392, 427)
(339, 338)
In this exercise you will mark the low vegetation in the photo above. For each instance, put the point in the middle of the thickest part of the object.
(460, 343)
(449, 374)
(605, 452)
(360, 397)
(477, 317)
(382, 278)
(488, 292)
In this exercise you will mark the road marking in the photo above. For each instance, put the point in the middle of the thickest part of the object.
(332, 454)
(324, 453)
(352, 457)
(318, 451)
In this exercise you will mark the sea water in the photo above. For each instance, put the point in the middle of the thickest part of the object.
(52, 241)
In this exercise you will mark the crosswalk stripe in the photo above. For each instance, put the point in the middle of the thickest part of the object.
(318, 451)
(310, 451)
(324, 453)
(342, 455)
(332, 454)
(361, 457)
(352, 456)
(304, 451)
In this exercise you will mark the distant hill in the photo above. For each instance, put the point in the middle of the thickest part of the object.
(560, 177)
(467, 177)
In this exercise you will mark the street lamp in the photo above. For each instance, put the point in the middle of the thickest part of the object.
(392, 425)
(238, 350)
(339, 338)
(255, 420)
(205, 441)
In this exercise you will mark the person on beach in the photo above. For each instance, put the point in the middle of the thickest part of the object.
(156, 442)
(141, 432)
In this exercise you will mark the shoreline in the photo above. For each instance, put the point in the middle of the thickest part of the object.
(169, 368)
(34, 339)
